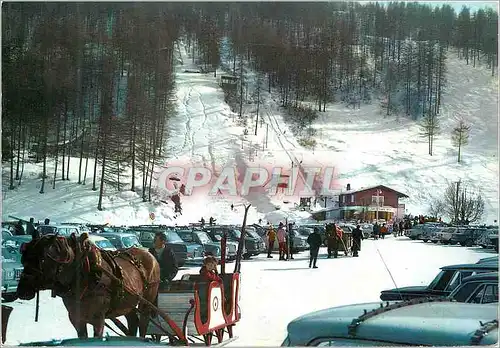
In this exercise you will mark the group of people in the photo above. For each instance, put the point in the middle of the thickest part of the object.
(333, 238)
(31, 230)
(285, 242)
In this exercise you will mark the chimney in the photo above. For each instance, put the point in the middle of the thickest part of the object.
(348, 187)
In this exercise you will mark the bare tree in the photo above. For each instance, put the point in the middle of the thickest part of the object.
(462, 204)
(436, 208)
(460, 136)
(429, 127)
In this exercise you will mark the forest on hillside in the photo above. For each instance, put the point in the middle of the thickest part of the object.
(96, 81)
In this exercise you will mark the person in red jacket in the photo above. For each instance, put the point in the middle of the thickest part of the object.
(209, 270)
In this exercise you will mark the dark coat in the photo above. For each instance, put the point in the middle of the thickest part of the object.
(168, 264)
(19, 230)
(314, 240)
(30, 229)
(357, 236)
(332, 238)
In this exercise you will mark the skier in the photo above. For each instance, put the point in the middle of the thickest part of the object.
(202, 222)
(314, 241)
(211, 221)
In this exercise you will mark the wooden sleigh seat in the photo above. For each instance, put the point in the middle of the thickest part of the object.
(198, 307)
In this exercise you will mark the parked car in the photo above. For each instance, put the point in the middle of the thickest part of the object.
(420, 231)
(422, 322)
(484, 239)
(146, 234)
(467, 235)
(102, 243)
(6, 233)
(443, 235)
(16, 241)
(443, 284)
(253, 245)
(61, 230)
(190, 235)
(494, 241)
(122, 240)
(428, 229)
(488, 259)
(216, 237)
(11, 272)
(479, 288)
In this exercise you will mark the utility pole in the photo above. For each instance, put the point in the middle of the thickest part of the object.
(378, 198)
(267, 132)
(457, 206)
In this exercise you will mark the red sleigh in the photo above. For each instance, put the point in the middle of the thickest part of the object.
(202, 309)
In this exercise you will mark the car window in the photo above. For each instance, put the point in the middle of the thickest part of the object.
(204, 238)
(104, 244)
(44, 229)
(173, 237)
(477, 298)
(441, 281)
(186, 236)
(490, 294)
(130, 241)
(464, 292)
(147, 235)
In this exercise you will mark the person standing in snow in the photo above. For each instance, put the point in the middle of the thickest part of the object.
(30, 228)
(376, 230)
(357, 236)
(314, 241)
(166, 258)
(290, 241)
(19, 229)
(281, 234)
(271, 237)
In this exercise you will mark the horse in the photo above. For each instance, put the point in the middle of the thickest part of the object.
(81, 274)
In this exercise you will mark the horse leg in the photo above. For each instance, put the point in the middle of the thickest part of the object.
(98, 325)
(132, 322)
(80, 327)
(144, 318)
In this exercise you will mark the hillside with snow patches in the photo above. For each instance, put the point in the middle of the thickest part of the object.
(366, 147)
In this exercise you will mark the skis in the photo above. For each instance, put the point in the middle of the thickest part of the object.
(241, 244)
(223, 243)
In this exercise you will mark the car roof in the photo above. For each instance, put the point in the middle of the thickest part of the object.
(422, 322)
(116, 234)
(488, 259)
(96, 237)
(482, 276)
(473, 266)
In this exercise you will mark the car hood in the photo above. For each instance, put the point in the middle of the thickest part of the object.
(407, 289)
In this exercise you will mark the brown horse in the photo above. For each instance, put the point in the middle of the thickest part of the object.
(78, 272)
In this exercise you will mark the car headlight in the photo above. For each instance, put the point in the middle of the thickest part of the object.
(8, 275)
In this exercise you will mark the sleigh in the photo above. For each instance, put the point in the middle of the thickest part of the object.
(201, 309)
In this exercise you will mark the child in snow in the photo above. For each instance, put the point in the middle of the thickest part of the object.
(209, 270)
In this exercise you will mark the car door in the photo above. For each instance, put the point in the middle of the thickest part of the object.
(486, 293)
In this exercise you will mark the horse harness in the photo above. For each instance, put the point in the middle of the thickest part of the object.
(88, 261)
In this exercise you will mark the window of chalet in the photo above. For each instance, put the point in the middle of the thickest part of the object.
(352, 198)
(380, 201)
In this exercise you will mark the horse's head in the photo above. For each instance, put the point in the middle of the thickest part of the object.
(43, 259)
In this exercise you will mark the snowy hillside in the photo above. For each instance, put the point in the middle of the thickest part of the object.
(364, 145)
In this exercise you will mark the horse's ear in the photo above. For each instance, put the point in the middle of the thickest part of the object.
(84, 236)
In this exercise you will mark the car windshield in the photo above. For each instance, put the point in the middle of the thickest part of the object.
(253, 234)
(186, 236)
(236, 233)
(104, 244)
(44, 229)
(204, 238)
(173, 237)
(130, 241)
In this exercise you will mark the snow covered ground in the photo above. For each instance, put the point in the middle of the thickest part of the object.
(275, 292)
